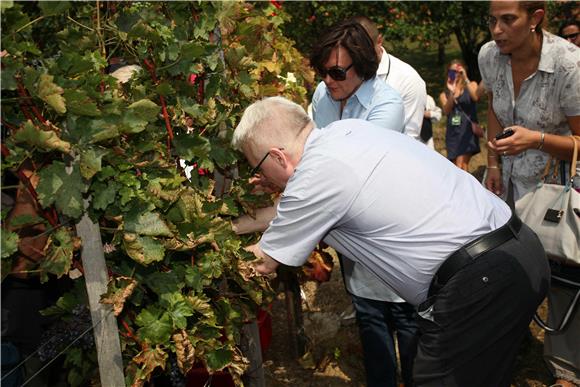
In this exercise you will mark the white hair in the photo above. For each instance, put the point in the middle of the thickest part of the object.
(270, 122)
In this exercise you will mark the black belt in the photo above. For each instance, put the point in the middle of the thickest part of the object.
(468, 253)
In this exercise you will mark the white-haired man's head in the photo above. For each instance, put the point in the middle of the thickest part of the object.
(270, 122)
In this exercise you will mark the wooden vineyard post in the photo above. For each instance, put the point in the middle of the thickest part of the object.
(251, 348)
(106, 331)
(293, 311)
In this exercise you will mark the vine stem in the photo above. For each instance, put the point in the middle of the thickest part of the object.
(29, 24)
(151, 68)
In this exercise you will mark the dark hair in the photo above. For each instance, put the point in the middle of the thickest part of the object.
(533, 6)
(369, 25)
(352, 37)
(567, 23)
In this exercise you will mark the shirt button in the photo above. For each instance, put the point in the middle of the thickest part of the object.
(485, 279)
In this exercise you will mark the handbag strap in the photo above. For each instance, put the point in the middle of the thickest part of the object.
(573, 163)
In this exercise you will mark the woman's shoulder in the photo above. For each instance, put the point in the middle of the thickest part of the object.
(488, 50)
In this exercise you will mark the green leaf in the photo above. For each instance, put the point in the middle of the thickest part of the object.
(191, 146)
(165, 89)
(25, 220)
(104, 194)
(163, 282)
(145, 250)
(155, 325)
(146, 223)
(65, 190)
(9, 243)
(210, 264)
(45, 139)
(60, 254)
(78, 102)
(90, 162)
(177, 308)
(219, 358)
(50, 93)
(145, 109)
(53, 8)
(192, 50)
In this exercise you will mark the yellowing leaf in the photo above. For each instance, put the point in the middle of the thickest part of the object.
(51, 93)
(45, 139)
(117, 296)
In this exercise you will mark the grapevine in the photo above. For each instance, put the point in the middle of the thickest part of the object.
(92, 144)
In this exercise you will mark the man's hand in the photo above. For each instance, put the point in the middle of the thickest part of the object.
(267, 265)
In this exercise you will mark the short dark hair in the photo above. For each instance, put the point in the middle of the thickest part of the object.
(566, 23)
(353, 37)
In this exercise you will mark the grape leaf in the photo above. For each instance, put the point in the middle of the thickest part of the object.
(59, 255)
(90, 162)
(44, 139)
(146, 223)
(9, 243)
(52, 8)
(145, 109)
(63, 189)
(144, 250)
(50, 93)
(149, 359)
(218, 358)
(104, 194)
(155, 324)
(78, 102)
(177, 308)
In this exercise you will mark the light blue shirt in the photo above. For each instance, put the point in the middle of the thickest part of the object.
(395, 206)
(377, 102)
(374, 101)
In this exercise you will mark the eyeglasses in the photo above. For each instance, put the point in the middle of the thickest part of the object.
(257, 167)
(336, 72)
(571, 36)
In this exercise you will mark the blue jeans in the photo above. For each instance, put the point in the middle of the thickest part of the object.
(378, 321)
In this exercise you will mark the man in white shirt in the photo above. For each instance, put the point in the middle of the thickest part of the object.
(402, 77)
(476, 273)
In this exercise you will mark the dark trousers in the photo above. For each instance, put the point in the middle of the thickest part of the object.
(480, 317)
(378, 321)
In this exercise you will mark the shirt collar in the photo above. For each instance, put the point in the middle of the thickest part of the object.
(384, 64)
(547, 62)
(365, 92)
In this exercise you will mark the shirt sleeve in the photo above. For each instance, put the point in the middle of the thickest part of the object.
(414, 105)
(389, 112)
(309, 208)
(484, 61)
(570, 86)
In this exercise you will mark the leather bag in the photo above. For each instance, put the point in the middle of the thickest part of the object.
(553, 212)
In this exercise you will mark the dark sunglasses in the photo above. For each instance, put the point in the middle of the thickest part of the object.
(571, 36)
(257, 167)
(336, 72)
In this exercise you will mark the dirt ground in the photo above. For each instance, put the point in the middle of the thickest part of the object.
(334, 354)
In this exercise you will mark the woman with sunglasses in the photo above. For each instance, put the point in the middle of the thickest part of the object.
(346, 59)
(533, 83)
(458, 101)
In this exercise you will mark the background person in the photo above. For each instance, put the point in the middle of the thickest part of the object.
(533, 79)
(570, 30)
(458, 101)
(380, 312)
(431, 116)
(402, 77)
(339, 187)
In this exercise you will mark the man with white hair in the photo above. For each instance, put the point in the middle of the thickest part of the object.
(475, 273)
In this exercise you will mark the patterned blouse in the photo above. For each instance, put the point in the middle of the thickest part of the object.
(546, 98)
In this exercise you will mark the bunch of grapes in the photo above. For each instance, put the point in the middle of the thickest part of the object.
(176, 378)
(61, 334)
